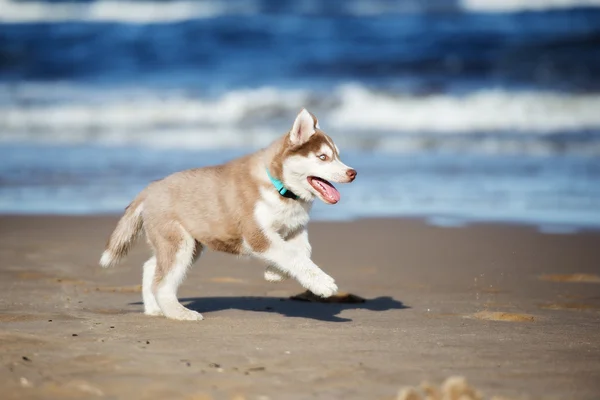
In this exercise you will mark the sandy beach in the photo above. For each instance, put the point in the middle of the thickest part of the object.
(515, 311)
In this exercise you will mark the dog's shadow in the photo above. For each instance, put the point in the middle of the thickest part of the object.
(290, 308)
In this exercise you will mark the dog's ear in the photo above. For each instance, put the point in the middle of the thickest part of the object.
(303, 128)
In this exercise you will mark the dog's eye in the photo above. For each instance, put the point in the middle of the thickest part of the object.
(323, 157)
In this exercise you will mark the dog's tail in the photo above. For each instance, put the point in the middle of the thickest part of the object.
(125, 234)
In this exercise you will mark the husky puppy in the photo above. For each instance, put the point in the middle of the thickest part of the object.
(256, 205)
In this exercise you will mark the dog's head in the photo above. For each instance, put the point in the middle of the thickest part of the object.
(311, 161)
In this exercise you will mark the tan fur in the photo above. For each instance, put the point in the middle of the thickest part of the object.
(125, 233)
(218, 216)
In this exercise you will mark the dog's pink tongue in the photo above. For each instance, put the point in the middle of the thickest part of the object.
(328, 190)
(332, 192)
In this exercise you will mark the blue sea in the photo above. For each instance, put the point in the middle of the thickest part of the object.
(454, 111)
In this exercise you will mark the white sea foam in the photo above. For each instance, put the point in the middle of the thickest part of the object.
(524, 5)
(101, 111)
(12, 11)
(114, 11)
(483, 111)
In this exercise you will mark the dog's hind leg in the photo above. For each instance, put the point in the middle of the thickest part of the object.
(176, 250)
(274, 274)
(151, 307)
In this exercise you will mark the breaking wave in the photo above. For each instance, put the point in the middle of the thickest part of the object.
(524, 5)
(487, 120)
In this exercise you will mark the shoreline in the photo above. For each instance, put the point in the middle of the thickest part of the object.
(438, 221)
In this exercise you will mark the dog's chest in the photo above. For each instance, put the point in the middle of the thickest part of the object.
(281, 215)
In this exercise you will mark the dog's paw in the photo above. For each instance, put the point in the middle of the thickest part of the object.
(322, 285)
(151, 307)
(274, 275)
(185, 314)
(154, 312)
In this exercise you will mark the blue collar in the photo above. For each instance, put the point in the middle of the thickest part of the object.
(280, 188)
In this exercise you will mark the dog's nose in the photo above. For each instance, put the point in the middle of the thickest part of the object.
(351, 173)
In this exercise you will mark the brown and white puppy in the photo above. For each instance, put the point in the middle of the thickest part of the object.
(256, 205)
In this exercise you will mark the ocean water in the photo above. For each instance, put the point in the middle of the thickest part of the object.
(455, 111)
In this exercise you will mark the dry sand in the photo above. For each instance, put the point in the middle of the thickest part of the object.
(514, 311)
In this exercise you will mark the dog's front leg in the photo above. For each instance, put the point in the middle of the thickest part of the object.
(274, 274)
(299, 239)
(292, 258)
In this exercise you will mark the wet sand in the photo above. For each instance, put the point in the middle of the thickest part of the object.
(514, 311)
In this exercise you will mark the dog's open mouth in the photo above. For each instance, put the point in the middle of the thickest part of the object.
(328, 192)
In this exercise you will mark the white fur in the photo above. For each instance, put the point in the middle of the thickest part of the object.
(273, 274)
(333, 146)
(151, 307)
(107, 259)
(327, 150)
(275, 215)
(166, 293)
